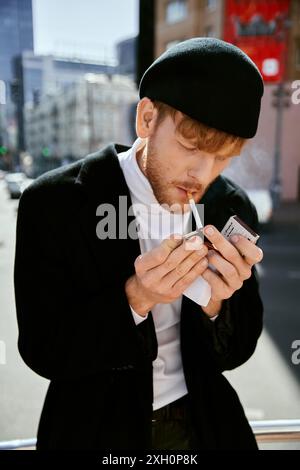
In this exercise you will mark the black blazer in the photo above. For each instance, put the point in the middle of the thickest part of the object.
(76, 328)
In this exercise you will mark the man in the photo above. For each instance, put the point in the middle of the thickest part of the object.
(134, 363)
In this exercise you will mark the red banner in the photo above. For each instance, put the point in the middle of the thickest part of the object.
(260, 28)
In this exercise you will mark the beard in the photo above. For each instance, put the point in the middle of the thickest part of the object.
(164, 188)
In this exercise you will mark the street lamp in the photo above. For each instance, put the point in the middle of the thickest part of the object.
(283, 24)
(282, 101)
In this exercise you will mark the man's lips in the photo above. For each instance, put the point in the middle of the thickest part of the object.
(188, 190)
(186, 193)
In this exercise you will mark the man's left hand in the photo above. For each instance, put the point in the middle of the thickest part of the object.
(233, 262)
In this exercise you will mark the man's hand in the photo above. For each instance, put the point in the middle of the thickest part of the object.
(233, 263)
(162, 274)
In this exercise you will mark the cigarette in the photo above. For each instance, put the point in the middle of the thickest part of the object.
(199, 224)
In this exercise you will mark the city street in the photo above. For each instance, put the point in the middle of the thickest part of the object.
(268, 385)
(21, 391)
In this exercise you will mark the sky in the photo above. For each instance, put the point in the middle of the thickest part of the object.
(83, 28)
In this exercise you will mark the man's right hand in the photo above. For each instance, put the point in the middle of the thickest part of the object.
(163, 274)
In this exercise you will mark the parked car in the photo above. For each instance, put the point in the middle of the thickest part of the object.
(2, 174)
(27, 182)
(14, 183)
(262, 200)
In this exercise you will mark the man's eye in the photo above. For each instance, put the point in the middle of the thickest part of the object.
(222, 159)
(190, 149)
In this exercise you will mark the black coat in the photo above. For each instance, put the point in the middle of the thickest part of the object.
(76, 328)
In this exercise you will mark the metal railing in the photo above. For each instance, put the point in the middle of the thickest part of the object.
(285, 430)
(277, 431)
(18, 444)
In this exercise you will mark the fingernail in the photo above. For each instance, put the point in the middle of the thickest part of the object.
(194, 243)
(200, 251)
(209, 231)
(196, 240)
(235, 238)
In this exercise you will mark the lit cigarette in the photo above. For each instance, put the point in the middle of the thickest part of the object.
(199, 224)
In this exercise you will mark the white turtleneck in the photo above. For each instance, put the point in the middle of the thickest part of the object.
(168, 377)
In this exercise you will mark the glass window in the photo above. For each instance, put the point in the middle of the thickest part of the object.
(211, 4)
(209, 32)
(297, 59)
(176, 11)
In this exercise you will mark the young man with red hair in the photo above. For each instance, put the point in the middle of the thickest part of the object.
(134, 363)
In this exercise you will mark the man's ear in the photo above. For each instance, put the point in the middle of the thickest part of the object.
(146, 116)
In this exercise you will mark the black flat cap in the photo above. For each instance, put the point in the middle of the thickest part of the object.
(210, 81)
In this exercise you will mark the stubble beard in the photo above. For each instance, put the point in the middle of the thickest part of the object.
(164, 190)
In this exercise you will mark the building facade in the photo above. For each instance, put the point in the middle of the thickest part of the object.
(16, 36)
(177, 20)
(41, 76)
(126, 56)
(83, 118)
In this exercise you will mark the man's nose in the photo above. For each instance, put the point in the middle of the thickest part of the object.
(202, 169)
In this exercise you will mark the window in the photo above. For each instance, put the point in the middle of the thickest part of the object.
(209, 32)
(297, 55)
(176, 10)
(211, 4)
(296, 14)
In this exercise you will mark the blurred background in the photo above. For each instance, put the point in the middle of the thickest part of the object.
(69, 72)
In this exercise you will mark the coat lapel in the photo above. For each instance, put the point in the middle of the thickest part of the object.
(103, 182)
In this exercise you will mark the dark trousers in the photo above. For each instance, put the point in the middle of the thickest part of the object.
(172, 427)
